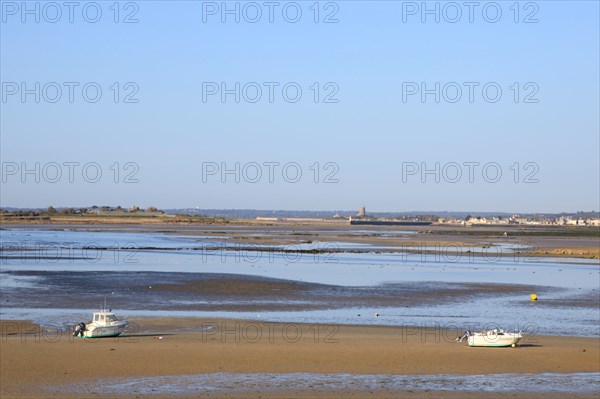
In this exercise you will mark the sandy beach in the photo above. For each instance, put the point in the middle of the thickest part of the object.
(36, 365)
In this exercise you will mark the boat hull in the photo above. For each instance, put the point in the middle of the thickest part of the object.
(96, 331)
(492, 340)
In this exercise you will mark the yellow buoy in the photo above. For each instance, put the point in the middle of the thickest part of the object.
(533, 297)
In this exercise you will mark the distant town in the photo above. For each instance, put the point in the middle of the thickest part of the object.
(466, 219)
(361, 217)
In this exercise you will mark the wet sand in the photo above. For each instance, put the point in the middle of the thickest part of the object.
(35, 365)
(236, 292)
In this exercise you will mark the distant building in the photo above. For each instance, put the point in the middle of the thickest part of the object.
(362, 212)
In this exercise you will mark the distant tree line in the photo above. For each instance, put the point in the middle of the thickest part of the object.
(95, 209)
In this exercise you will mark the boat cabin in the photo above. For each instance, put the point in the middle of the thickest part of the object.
(104, 317)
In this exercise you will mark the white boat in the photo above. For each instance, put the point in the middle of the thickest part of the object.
(494, 338)
(103, 324)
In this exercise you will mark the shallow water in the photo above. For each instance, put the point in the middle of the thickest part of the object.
(473, 316)
(568, 307)
(340, 268)
(51, 242)
(581, 383)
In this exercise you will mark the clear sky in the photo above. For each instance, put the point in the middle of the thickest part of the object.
(166, 129)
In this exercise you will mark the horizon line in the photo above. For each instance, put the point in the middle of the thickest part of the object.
(430, 212)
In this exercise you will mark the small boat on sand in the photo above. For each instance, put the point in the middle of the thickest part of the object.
(104, 324)
(494, 338)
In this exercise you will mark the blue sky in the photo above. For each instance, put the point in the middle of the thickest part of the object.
(364, 141)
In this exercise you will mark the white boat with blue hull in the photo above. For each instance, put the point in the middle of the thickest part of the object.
(103, 324)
